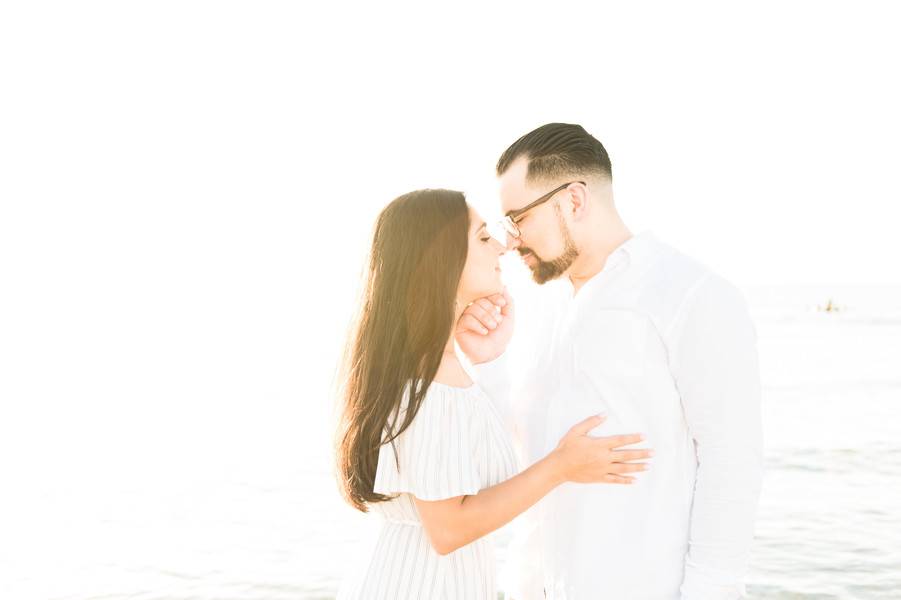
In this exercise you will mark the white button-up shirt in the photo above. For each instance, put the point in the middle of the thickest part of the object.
(665, 348)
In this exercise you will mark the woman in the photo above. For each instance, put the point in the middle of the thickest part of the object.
(419, 442)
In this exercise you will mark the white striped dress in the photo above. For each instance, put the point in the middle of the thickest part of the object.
(456, 445)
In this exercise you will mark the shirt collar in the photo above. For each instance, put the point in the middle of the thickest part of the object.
(636, 248)
(633, 251)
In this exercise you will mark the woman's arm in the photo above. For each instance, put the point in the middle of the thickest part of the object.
(454, 522)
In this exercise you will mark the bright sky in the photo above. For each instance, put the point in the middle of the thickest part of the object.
(762, 138)
(188, 187)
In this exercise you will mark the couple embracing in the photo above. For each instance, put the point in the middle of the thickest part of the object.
(630, 435)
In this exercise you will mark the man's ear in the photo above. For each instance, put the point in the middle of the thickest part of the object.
(578, 201)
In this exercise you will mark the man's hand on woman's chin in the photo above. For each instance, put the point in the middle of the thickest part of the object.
(485, 328)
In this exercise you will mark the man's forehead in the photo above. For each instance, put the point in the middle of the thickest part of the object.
(514, 190)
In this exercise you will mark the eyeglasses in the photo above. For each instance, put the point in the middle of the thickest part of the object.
(509, 221)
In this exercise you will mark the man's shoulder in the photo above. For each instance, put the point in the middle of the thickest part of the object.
(677, 269)
(674, 281)
(675, 273)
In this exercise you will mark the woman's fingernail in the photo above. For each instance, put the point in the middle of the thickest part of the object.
(502, 302)
(484, 331)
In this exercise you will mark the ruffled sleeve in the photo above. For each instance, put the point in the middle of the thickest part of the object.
(437, 454)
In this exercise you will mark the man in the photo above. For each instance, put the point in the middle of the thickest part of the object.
(656, 341)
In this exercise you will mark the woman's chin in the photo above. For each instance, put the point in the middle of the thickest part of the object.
(492, 290)
(499, 278)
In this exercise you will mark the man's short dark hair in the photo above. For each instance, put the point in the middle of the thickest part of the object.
(556, 150)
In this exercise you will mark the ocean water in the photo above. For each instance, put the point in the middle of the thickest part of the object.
(239, 508)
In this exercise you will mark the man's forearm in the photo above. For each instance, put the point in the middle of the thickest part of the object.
(722, 524)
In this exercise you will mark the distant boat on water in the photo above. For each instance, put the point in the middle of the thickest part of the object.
(830, 307)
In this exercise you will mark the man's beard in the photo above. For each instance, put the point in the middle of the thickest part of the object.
(546, 270)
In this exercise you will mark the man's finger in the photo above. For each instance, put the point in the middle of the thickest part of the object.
(489, 307)
(481, 315)
(507, 306)
(499, 299)
(468, 322)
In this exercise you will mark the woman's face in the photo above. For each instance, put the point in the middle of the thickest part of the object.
(481, 273)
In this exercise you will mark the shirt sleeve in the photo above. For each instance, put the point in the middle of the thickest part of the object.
(713, 356)
(522, 577)
(437, 455)
(494, 378)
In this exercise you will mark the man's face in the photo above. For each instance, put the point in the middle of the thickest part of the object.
(545, 243)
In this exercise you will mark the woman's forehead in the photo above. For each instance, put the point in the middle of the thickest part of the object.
(476, 221)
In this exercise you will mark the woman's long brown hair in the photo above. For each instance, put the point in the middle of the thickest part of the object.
(405, 318)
